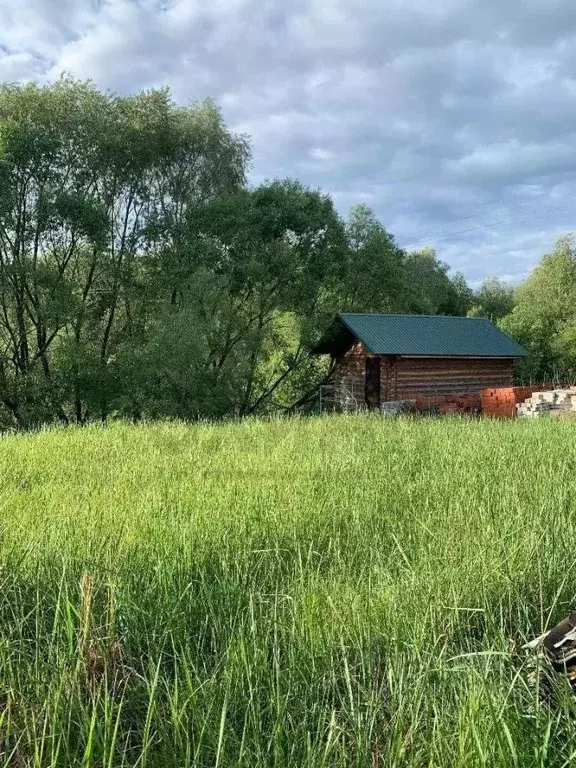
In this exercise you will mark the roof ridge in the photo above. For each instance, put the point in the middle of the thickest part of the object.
(427, 336)
(412, 314)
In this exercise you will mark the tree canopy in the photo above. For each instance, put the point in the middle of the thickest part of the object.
(543, 318)
(493, 300)
(141, 276)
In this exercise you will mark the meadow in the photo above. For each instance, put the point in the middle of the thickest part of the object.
(339, 591)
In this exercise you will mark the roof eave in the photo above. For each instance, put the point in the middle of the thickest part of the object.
(464, 357)
(340, 339)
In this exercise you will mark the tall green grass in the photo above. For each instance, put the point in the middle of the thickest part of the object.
(344, 591)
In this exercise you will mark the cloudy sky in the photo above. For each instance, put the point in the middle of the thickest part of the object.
(455, 120)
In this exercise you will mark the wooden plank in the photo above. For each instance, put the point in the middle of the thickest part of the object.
(417, 377)
(442, 363)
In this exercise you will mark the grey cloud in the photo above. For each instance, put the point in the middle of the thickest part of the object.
(431, 112)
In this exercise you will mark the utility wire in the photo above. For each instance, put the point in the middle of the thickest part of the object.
(485, 226)
(479, 205)
(483, 205)
(465, 218)
(527, 180)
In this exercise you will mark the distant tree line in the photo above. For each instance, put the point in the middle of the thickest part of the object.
(140, 277)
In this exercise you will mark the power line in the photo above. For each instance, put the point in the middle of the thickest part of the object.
(534, 175)
(485, 226)
(464, 218)
(484, 204)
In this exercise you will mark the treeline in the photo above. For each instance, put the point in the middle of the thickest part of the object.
(543, 316)
(141, 277)
(540, 313)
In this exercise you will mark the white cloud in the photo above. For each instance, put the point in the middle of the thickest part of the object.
(444, 116)
(319, 153)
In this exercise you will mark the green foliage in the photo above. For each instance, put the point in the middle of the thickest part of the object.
(460, 294)
(344, 591)
(544, 315)
(493, 300)
(92, 183)
(431, 289)
(140, 277)
(376, 278)
(248, 280)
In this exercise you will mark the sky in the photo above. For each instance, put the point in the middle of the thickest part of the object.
(454, 120)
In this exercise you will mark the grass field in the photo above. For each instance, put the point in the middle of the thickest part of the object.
(343, 591)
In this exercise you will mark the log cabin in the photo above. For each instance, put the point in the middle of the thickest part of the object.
(381, 358)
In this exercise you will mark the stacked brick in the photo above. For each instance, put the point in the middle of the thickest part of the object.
(558, 403)
(504, 402)
(497, 402)
(501, 402)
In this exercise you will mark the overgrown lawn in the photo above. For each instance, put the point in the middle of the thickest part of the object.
(341, 591)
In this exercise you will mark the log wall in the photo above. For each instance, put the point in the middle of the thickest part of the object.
(451, 376)
(417, 378)
(349, 376)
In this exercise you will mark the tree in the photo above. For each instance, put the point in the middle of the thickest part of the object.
(431, 289)
(544, 316)
(460, 296)
(270, 259)
(89, 184)
(375, 277)
(493, 300)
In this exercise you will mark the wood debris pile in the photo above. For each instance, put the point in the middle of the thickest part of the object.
(554, 659)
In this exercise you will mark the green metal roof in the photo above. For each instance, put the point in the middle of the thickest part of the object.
(429, 335)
